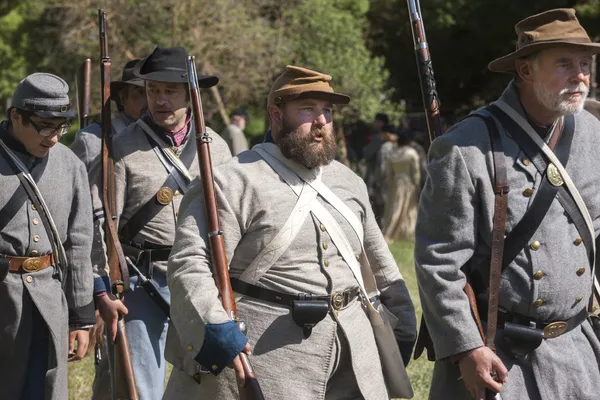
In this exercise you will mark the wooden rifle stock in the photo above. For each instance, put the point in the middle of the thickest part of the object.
(123, 377)
(83, 92)
(250, 390)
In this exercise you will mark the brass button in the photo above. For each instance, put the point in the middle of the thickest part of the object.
(325, 245)
(526, 162)
(36, 238)
(528, 192)
(33, 207)
(539, 302)
(578, 241)
(326, 263)
(580, 271)
(29, 279)
(34, 252)
(190, 347)
(578, 299)
(36, 221)
(538, 275)
(322, 227)
(535, 245)
(214, 367)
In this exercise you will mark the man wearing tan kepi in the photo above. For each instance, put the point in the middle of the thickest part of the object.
(545, 168)
(323, 347)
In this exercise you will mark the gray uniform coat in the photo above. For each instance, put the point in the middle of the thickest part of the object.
(139, 174)
(454, 226)
(65, 189)
(254, 203)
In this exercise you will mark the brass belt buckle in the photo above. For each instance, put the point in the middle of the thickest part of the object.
(32, 264)
(337, 300)
(555, 329)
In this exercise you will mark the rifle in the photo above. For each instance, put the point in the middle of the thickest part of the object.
(250, 390)
(84, 77)
(432, 109)
(122, 377)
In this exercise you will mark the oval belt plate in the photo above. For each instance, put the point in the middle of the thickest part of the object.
(337, 300)
(164, 195)
(32, 264)
(554, 176)
(555, 329)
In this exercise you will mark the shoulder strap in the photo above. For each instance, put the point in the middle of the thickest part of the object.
(501, 190)
(286, 235)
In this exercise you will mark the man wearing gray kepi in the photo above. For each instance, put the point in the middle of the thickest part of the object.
(234, 133)
(527, 164)
(45, 243)
(302, 295)
(155, 163)
(129, 95)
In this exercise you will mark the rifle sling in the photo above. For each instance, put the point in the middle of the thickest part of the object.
(149, 210)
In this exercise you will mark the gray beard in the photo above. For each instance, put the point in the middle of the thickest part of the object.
(304, 150)
(555, 102)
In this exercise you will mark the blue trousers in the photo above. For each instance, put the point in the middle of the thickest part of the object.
(146, 328)
(37, 363)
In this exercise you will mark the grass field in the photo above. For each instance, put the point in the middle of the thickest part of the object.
(81, 374)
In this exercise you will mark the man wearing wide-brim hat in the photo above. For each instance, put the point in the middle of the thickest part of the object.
(155, 164)
(545, 169)
(130, 97)
(45, 243)
(291, 261)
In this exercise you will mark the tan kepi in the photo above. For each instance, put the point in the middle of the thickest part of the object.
(551, 28)
(298, 82)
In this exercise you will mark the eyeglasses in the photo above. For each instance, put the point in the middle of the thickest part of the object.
(51, 131)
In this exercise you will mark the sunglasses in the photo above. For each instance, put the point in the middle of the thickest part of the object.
(51, 131)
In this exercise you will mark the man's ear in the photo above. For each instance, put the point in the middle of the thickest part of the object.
(524, 69)
(14, 116)
(276, 118)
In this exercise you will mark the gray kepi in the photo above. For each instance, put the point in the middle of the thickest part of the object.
(45, 95)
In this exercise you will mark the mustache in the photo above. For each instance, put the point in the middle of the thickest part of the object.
(581, 87)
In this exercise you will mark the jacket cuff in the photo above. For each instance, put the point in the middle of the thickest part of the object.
(101, 284)
(222, 343)
(82, 316)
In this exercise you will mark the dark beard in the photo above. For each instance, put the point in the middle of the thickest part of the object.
(304, 150)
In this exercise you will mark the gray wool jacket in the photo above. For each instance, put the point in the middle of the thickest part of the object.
(254, 203)
(63, 184)
(454, 227)
(139, 174)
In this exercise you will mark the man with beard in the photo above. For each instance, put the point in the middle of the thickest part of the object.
(543, 266)
(45, 242)
(155, 163)
(310, 335)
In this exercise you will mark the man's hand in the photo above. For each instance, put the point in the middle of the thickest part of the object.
(476, 369)
(82, 337)
(109, 310)
(237, 365)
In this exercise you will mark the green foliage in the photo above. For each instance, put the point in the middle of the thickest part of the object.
(12, 45)
(332, 40)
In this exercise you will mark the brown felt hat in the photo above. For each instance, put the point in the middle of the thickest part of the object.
(541, 31)
(298, 82)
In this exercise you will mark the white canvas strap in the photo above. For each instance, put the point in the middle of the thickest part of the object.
(511, 112)
(166, 152)
(361, 270)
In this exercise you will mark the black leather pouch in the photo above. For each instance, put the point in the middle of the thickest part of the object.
(308, 313)
(4, 264)
(595, 322)
(520, 340)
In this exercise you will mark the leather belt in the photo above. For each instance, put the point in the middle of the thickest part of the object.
(28, 264)
(338, 300)
(551, 329)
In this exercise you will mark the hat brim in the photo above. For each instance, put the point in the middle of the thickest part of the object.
(332, 97)
(175, 76)
(55, 114)
(117, 86)
(506, 63)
